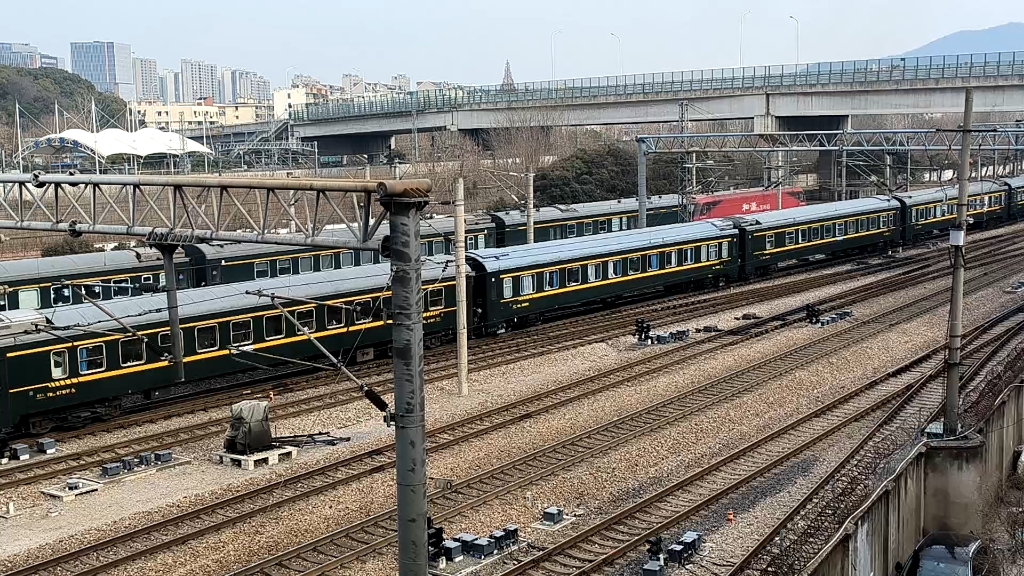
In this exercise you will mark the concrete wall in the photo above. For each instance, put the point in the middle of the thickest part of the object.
(938, 487)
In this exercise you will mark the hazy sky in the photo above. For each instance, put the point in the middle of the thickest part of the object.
(468, 42)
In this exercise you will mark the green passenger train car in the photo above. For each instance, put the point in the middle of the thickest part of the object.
(931, 211)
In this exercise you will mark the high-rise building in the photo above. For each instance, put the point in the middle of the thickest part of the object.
(227, 85)
(27, 56)
(108, 65)
(199, 80)
(169, 84)
(248, 86)
(147, 80)
(401, 81)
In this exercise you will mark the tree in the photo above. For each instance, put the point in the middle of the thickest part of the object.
(68, 246)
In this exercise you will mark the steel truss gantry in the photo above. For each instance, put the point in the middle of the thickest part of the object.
(184, 209)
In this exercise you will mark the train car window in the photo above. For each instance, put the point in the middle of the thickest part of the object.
(873, 223)
(815, 233)
(593, 272)
(803, 235)
(892, 220)
(305, 264)
(931, 212)
(851, 226)
(334, 316)
(570, 230)
(481, 241)
(602, 226)
(588, 228)
(273, 326)
(132, 351)
(121, 288)
(163, 339)
(3, 302)
(60, 295)
(262, 269)
(615, 224)
(213, 277)
(826, 230)
(573, 276)
(550, 279)
(725, 249)
(207, 338)
(942, 210)
(366, 257)
(424, 248)
(147, 278)
(671, 259)
(614, 268)
(840, 229)
(687, 255)
(863, 225)
(160, 282)
(652, 262)
(91, 359)
(704, 253)
(182, 281)
(634, 266)
(241, 332)
(506, 288)
(438, 247)
(327, 262)
(59, 364)
(363, 311)
(284, 267)
(470, 243)
(625, 223)
(435, 298)
(527, 284)
(28, 299)
(348, 259)
(307, 319)
(769, 241)
(713, 252)
(790, 237)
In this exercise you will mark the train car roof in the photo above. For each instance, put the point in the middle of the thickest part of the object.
(1015, 182)
(815, 212)
(587, 209)
(932, 195)
(54, 267)
(744, 192)
(221, 299)
(598, 245)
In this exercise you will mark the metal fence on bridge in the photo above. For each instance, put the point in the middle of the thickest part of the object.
(996, 64)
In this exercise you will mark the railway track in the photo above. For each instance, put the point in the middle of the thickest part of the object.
(901, 391)
(70, 462)
(166, 533)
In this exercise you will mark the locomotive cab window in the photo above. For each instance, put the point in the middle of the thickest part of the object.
(121, 288)
(91, 359)
(570, 230)
(334, 316)
(60, 295)
(307, 319)
(769, 241)
(28, 299)
(207, 338)
(790, 237)
(614, 268)
(362, 311)
(527, 284)
(435, 298)
(506, 288)
(588, 228)
(241, 332)
(652, 261)
(59, 364)
(305, 264)
(273, 326)
(348, 258)
(132, 351)
(593, 272)
(550, 279)
(262, 270)
(327, 262)
(573, 276)
(284, 267)
(635, 266)
(671, 259)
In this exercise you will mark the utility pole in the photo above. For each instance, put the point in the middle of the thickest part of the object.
(957, 237)
(404, 208)
(171, 288)
(20, 151)
(641, 183)
(529, 205)
(460, 287)
(845, 196)
(684, 119)
(888, 174)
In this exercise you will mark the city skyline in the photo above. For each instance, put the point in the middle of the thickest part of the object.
(585, 42)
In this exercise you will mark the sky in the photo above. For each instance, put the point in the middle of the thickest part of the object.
(468, 42)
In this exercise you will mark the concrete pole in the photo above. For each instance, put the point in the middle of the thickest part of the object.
(462, 352)
(845, 197)
(171, 287)
(410, 405)
(957, 237)
(641, 183)
(529, 206)
(693, 173)
(888, 174)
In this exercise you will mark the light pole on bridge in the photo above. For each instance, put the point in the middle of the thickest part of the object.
(793, 18)
(742, 18)
(553, 34)
(620, 51)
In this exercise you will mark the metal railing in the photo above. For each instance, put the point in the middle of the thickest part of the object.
(994, 64)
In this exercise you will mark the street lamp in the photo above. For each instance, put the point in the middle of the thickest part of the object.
(553, 34)
(620, 51)
(793, 18)
(742, 18)
(288, 77)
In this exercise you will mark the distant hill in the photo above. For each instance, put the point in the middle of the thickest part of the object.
(1003, 38)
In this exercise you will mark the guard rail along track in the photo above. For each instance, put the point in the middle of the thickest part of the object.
(351, 542)
(898, 392)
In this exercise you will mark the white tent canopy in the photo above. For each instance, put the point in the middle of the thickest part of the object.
(114, 142)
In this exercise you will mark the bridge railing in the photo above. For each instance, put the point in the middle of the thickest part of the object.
(662, 83)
